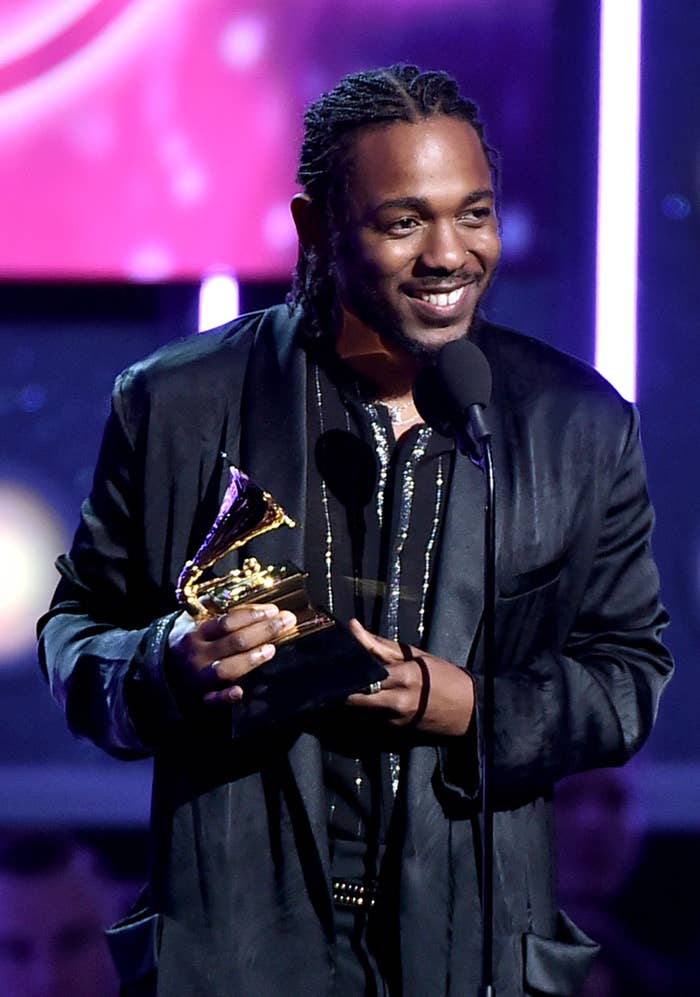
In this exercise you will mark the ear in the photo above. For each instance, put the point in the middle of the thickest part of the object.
(308, 221)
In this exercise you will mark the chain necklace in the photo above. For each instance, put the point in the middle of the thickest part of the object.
(396, 410)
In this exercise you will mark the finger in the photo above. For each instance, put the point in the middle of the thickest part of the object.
(381, 647)
(371, 700)
(377, 697)
(399, 693)
(235, 667)
(235, 619)
(248, 637)
(224, 697)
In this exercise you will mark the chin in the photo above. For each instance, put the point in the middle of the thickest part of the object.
(426, 346)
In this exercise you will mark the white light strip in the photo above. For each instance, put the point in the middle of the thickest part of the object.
(219, 300)
(618, 167)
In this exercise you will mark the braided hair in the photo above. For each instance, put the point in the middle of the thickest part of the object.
(377, 96)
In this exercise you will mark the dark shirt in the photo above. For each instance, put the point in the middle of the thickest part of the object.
(373, 513)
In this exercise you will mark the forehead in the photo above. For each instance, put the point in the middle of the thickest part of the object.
(431, 158)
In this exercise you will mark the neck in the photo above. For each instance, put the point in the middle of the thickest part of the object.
(390, 370)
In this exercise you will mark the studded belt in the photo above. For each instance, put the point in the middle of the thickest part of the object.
(356, 894)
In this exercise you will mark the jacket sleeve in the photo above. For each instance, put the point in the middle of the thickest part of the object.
(101, 654)
(587, 698)
(594, 702)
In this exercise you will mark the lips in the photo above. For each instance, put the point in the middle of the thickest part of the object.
(439, 303)
(441, 298)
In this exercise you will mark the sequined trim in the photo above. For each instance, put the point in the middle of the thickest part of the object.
(381, 443)
(384, 448)
(328, 556)
(430, 546)
(408, 487)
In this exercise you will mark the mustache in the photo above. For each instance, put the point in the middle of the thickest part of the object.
(447, 284)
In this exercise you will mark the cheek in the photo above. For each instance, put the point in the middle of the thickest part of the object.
(389, 260)
(488, 245)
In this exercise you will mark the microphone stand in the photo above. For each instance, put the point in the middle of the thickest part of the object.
(475, 443)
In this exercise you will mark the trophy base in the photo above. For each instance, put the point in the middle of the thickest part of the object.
(314, 672)
(284, 585)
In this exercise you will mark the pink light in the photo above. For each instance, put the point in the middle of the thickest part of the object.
(218, 300)
(102, 35)
(25, 31)
(618, 167)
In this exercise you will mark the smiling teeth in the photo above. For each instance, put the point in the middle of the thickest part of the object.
(443, 299)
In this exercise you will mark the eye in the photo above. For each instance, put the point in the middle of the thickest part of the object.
(401, 226)
(476, 216)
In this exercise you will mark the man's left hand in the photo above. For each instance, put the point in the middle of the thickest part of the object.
(449, 705)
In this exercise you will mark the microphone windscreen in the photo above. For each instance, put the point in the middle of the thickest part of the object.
(460, 378)
(348, 466)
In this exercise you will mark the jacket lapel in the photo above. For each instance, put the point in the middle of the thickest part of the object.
(273, 431)
(458, 580)
(459, 575)
(274, 454)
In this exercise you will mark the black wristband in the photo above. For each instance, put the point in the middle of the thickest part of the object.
(424, 693)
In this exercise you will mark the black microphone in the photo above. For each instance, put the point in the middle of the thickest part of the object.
(451, 396)
(452, 393)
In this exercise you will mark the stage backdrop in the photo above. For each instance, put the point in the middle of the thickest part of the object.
(152, 139)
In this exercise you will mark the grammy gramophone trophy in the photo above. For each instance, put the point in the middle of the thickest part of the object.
(246, 512)
(318, 662)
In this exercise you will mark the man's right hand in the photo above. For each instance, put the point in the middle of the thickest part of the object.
(209, 658)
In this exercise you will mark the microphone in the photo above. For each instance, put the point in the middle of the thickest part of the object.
(452, 394)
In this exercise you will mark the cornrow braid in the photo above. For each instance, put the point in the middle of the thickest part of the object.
(397, 93)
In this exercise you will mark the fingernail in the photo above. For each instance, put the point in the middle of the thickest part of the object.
(263, 652)
(265, 612)
(235, 693)
(287, 619)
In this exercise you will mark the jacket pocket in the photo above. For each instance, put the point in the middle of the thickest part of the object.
(558, 966)
(133, 944)
(530, 581)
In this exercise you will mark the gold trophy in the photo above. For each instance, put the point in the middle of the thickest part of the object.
(247, 512)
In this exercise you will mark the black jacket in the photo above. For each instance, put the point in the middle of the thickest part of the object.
(240, 900)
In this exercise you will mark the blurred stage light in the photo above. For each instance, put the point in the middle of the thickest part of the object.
(31, 537)
(52, 50)
(219, 300)
(618, 168)
(243, 42)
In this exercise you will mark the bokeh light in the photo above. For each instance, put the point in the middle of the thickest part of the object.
(31, 537)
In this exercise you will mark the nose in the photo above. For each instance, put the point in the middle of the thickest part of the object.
(444, 247)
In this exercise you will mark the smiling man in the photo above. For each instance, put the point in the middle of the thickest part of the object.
(337, 852)
(421, 240)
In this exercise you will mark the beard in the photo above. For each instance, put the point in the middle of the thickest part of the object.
(374, 310)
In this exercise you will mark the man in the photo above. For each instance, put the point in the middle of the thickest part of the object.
(54, 906)
(263, 843)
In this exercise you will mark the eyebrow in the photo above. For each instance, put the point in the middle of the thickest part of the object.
(423, 205)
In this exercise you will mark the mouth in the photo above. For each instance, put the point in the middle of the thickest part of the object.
(444, 303)
(441, 298)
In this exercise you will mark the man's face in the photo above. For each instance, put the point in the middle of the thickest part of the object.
(422, 239)
(51, 941)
